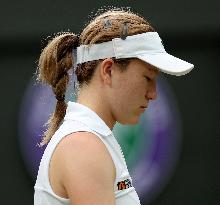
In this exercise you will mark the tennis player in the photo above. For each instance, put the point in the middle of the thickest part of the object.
(116, 59)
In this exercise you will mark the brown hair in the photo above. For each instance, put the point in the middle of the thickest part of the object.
(56, 58)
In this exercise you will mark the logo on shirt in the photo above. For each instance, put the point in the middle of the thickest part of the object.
(124, 184)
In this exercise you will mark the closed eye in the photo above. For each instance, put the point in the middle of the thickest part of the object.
(148, 79)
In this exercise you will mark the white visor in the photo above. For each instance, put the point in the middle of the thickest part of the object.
(147, 47)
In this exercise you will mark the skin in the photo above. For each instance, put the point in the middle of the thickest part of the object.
(118, 96)
(81, 162)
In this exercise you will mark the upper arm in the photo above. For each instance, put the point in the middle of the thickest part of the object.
(87, 170)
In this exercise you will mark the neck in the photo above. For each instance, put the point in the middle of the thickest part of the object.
(94, 100)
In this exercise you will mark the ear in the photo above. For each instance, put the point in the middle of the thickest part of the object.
(107, 68)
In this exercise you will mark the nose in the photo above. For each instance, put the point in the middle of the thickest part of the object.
(152, 92)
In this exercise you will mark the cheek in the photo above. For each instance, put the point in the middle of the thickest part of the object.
(126, 91)
(131, 92)
(125, 104)
(127, 97)
(121, 101)
(137, 89)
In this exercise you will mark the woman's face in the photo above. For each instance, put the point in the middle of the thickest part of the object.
(132, 89)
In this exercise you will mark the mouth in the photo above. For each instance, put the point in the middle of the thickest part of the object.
(144, 107)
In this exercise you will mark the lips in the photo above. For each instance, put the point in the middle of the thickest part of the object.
(143, 106)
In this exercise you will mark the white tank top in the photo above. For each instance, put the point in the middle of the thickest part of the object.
(81, 118)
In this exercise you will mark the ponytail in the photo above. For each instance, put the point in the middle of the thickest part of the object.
(54, 62)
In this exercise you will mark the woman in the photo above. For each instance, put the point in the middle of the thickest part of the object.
(116, 59)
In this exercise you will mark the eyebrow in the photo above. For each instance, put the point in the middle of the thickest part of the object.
(154, 71)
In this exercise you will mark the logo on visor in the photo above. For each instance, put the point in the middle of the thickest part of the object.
(124, 184)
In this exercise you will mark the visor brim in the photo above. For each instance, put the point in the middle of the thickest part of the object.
(167, 63)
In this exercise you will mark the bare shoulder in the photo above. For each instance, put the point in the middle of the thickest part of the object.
(85, 144)
(86, 169)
